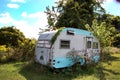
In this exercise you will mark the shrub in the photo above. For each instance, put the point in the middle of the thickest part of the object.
(3, 48)
(17, 54)
(5, 53)
(9, 53)
(3, 59)
(28, 49)
(21, 53)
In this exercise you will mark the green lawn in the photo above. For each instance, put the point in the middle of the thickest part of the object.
(32, 71)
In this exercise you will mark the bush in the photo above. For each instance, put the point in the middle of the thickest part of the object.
(17, 54)
(9, 53)
(21, 53)
(5, 53)
(28, 49)
(3, 59)
(3, 48)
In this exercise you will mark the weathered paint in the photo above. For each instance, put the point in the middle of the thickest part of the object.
(96, 58)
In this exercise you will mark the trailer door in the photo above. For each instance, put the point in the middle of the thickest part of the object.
(89, 50)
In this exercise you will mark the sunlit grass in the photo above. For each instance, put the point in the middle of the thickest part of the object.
(11, 72)
(113, 70)
(33, 71)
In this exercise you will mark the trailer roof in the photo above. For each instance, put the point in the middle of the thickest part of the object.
(78, 31)
(47, 35)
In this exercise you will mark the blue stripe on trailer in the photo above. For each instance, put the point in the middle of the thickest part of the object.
(82, 61)
(65, 62)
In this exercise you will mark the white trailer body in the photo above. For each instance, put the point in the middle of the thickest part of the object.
(55, 55)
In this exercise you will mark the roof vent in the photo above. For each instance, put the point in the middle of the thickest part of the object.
(70, 32)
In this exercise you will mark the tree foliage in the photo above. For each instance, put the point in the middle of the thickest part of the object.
(11, 36)
(5, 53)
(73, 13)
(28, 48)
(113, 21)
(105, 34)
(14, 46)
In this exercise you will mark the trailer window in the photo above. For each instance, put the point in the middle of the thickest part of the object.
(95, 45)
(47, 44)
(40, 44)
(88, 44)
(65, 44)
(43, 44)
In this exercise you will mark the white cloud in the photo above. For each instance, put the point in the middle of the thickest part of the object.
(33, 15)
(30, 29)
(109, 1)
(5, 18)
(13, 5)
(24, 14)
(39, 18)
(22, 1)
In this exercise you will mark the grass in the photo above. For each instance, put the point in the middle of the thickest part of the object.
(33, 71)
(112, 71)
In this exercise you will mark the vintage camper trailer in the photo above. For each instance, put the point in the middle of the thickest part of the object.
(69, 42)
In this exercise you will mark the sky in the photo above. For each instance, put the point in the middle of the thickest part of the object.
(28, 15)
(112, 7)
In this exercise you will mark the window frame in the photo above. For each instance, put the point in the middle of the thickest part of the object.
(64, 45)
(95, 46)
(89, 45)
(45, 44)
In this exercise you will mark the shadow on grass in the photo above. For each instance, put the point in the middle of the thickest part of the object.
(111, 71)
(114, 58)
(35, 71)
(101, 73)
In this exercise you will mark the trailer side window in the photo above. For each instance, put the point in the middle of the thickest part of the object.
(88, 44)
(95, 45)
(65, 44)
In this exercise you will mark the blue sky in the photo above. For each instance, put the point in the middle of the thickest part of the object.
(29, 16)
(26, 15)
(112, 7)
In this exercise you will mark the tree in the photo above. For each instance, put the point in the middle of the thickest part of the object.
(74, 13)
(52, 16)
(105, 34)
(11, 36)
(113, 21)
(28, 48)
